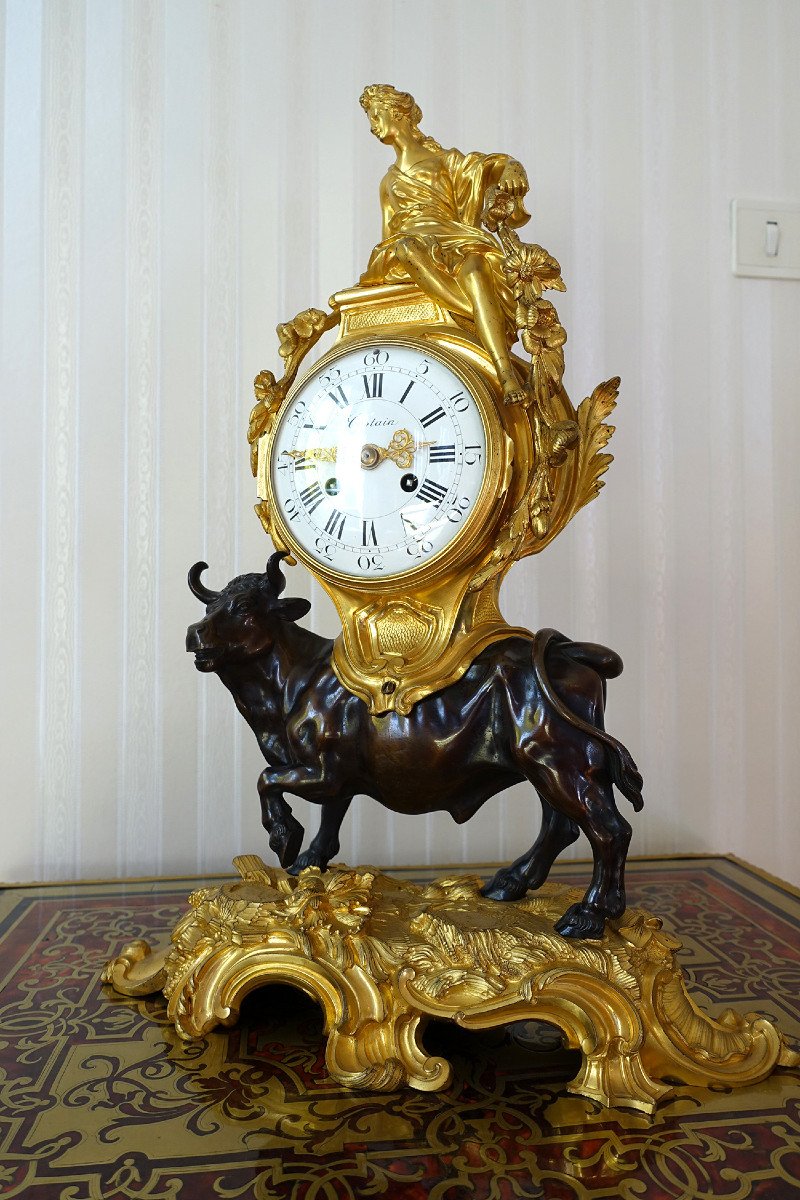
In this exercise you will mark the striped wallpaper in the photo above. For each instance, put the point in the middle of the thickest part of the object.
(178, 176)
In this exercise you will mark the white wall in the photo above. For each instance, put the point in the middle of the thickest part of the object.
(180, 176)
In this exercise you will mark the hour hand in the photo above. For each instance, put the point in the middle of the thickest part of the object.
(401, 451)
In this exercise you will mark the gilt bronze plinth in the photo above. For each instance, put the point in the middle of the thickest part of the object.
(382, 956)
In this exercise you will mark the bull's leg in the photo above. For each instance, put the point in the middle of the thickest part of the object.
(589, 800)
(325, 844)
(317, 783)
(285, 831)
(531, 870)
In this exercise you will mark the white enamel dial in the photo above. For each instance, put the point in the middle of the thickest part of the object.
(378, 461)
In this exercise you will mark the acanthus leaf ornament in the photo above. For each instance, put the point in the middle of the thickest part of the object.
(296, 338)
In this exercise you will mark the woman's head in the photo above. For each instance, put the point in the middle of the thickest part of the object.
(389, 111)
(382, 97)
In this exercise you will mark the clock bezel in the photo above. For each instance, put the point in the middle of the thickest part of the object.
(484, 512)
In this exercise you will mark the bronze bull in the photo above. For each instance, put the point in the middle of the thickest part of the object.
(523, 710)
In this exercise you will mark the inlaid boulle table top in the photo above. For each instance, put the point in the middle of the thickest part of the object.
(100, 1100)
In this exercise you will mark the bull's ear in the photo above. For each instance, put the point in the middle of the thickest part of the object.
(291, 610)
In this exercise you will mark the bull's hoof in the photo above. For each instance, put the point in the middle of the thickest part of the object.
(309, 858)
(505, 885)
(580, 921)
(286, 840)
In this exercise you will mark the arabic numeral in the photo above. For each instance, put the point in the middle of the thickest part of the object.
(297, 415)
(423, 367)
(292, 508)
(460, 402)
(370, 562)
(417, 549)
(472, 455)
(376, 358)
(331, 377)
(324, 548)
(455, 513)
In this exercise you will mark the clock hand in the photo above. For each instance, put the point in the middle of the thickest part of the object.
(313, 454)
(401, 451)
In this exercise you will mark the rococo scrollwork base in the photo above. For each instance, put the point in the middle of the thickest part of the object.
(382, 955)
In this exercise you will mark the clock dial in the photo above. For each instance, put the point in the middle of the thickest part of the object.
(378, 461)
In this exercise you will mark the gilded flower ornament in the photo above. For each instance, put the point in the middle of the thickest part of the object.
(529, 269)
(498, 209)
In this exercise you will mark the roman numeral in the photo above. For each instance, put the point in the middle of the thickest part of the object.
(312, 496)
(432, 493)
(436, 414)
(302, 464)
(374, 386)
(335, 524)
(368, 534)
(405, 393)
(443, 454)
(339, 398)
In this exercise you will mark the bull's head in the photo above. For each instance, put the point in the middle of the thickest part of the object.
(241, 621)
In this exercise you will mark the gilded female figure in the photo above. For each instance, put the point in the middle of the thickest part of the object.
(432, 200)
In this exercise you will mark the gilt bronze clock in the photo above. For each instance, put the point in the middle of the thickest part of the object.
(407, 469)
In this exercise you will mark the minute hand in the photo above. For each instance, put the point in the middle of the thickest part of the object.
(314, 454)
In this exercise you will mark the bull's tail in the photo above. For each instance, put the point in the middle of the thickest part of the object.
(624, 771)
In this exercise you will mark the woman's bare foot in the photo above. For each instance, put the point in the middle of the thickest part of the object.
(514, 393)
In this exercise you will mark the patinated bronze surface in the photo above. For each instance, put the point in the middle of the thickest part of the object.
(524, 710)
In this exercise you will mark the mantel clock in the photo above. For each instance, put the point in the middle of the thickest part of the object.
(407, 468)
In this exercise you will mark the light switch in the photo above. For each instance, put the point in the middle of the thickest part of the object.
(766, 239)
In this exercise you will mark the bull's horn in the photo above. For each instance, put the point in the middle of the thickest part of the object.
(197, 588)
(275, 576)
